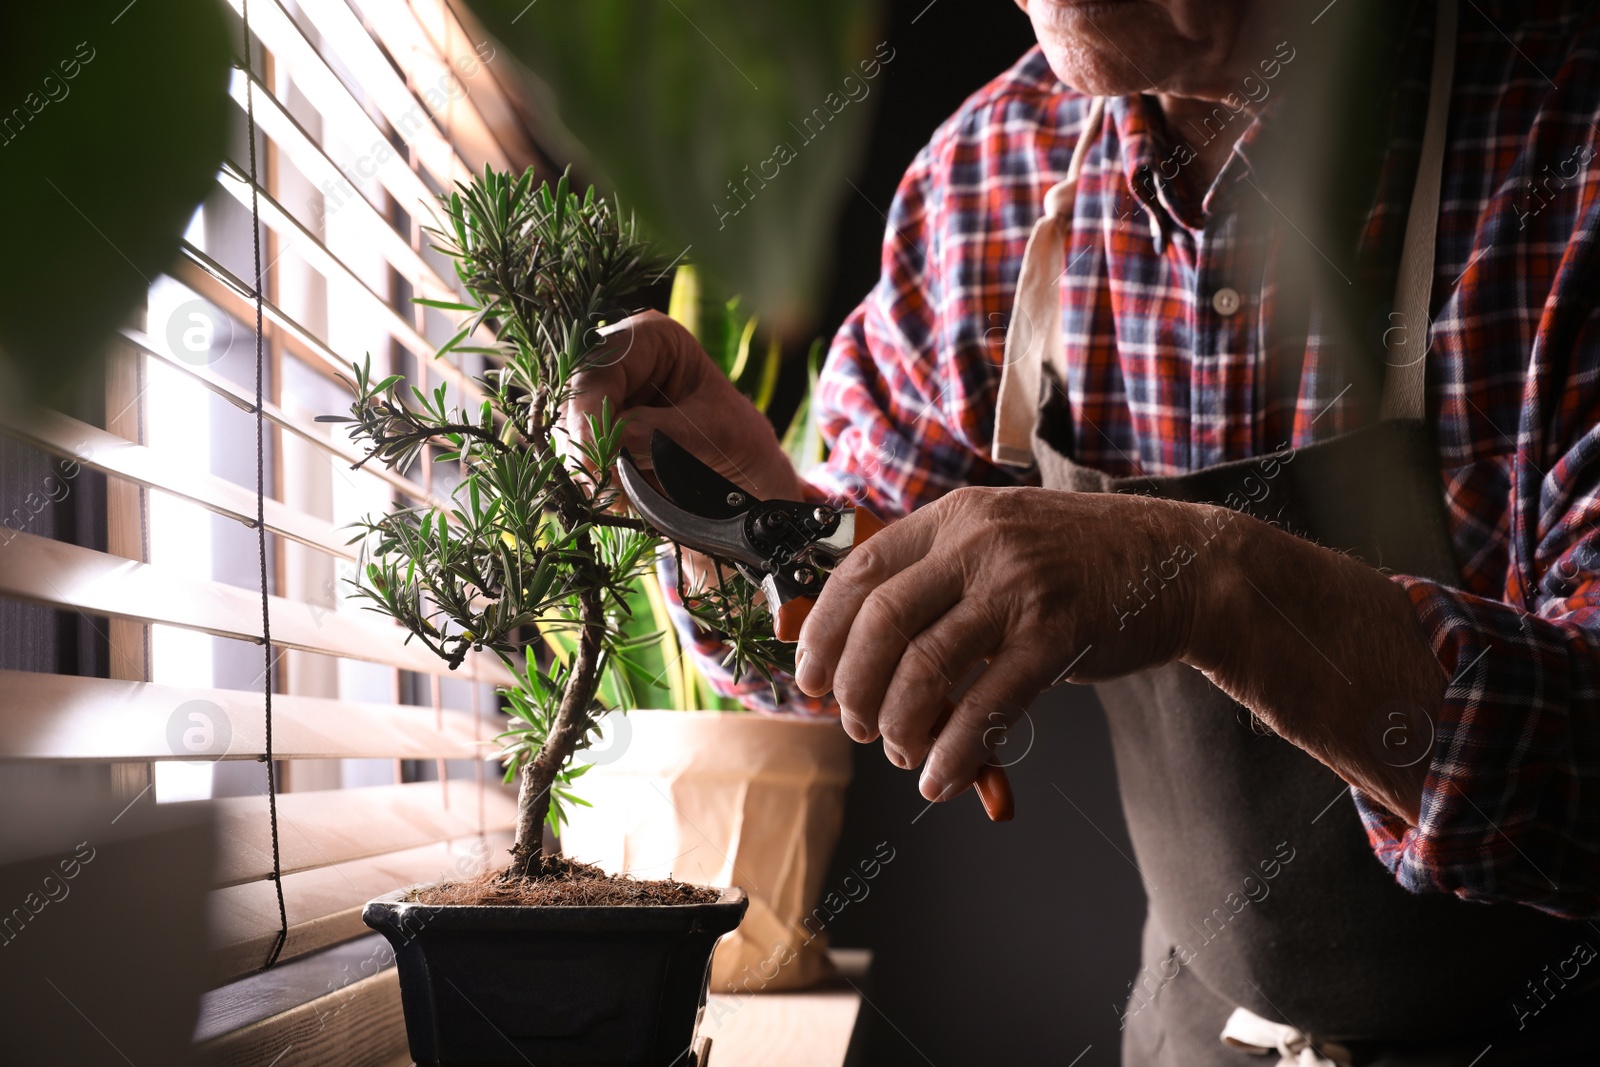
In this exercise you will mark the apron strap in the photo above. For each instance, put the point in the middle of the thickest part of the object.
(1034, 335)
(1403, 395)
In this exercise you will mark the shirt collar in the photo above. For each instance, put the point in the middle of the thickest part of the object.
(1153, 155)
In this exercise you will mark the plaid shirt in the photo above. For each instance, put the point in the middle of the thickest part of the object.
(1164, 379)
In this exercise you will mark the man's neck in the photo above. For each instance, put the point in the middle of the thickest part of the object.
(1211, 155)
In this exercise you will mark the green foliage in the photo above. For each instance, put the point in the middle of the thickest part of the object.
(116, 119)
(653, 675)
(803, 440)
(672, 101)
(718, 320)
(738, 611)
(531, 705)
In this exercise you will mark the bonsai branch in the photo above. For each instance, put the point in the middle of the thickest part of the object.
(572, 720)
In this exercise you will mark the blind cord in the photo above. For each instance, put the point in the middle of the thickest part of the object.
(261, 502)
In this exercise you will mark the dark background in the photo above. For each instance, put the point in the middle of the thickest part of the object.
(1010, 943)
(952, 49)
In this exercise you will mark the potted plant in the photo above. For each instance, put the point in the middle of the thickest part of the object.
(547, 961)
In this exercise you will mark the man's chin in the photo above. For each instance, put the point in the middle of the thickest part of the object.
(1103, 47)
(1096, 71)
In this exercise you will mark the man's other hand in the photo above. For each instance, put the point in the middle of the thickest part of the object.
(1042, 585)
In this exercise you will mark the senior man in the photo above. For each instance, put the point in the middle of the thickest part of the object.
(1162, 478)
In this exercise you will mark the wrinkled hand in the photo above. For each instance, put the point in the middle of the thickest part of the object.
(1034, 581)
(657, 377)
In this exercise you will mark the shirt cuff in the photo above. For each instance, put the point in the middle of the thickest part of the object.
(1509, 804)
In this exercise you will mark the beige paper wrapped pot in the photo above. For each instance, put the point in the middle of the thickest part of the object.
(724, 799)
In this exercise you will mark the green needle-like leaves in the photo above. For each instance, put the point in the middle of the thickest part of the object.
(530, 548)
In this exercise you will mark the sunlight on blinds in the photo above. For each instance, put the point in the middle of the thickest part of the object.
(177, 417)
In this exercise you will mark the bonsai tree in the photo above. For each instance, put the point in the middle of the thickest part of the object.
(535, 545)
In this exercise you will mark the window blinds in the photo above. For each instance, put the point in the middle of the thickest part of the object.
(363, 111)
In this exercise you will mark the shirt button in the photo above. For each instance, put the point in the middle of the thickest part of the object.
(1225, 301)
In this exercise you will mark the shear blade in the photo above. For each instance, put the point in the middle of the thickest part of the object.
(693, 485)
(720, 536)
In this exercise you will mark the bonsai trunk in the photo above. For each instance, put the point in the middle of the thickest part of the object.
(539, 773)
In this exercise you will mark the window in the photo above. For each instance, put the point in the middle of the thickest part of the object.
(141, 562)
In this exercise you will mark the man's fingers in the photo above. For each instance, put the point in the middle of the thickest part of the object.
(938, 659)
(1000, 696)
(651, 350)
(643, 358)
(822, 638)
(885, 626)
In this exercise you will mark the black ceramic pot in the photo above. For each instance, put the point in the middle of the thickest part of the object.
(556, 987)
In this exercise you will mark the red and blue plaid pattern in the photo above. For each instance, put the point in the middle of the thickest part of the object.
(1163, 382)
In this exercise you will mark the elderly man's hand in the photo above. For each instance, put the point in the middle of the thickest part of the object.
(1032, 580)
(656, 376)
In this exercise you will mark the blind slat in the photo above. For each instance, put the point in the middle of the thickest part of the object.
(426, 63)
(219, 285)
(497, 96)
(91, 720)
(324, 905)
(62, 575)
(339, 848)
(106, 452)
(358, 1024)
(319, 829)
(341, 451)
(317, 80)
(360, 54)
(309, 158)
(302, 242)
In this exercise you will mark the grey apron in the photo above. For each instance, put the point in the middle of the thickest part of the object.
(1335, 948)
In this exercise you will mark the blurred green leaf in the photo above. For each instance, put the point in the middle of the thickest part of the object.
(113, 121)
(803, 440)
(765, 376)
(731, 127)
(652, 669)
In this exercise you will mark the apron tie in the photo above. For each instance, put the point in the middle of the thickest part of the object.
(1250, 1032)
(1034, 333)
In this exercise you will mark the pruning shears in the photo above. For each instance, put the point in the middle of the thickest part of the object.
(787, 547)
